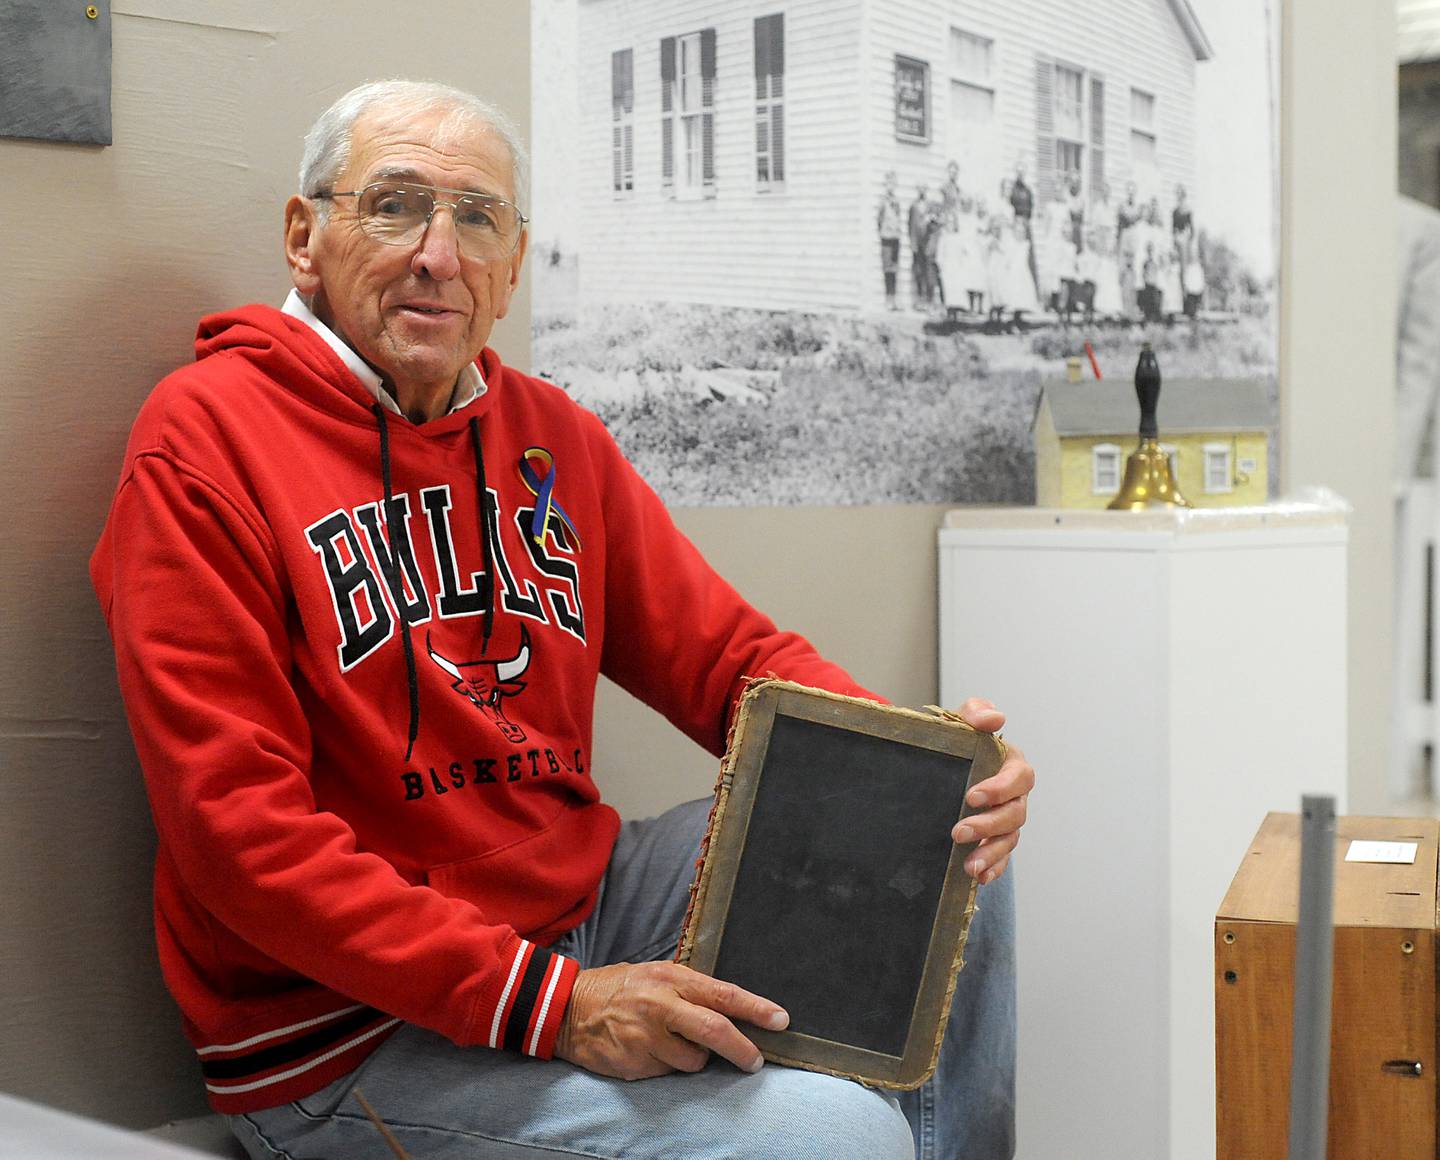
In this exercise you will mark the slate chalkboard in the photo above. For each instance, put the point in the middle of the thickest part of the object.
(55, 71)
(829, 882)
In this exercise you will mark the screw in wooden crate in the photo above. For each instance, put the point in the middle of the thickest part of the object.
(1407, 947)
(1231, 977)
(1229, 937)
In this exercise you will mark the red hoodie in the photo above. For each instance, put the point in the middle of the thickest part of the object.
(314, 885)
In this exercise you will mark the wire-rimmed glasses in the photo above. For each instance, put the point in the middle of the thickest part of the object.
(397, 213)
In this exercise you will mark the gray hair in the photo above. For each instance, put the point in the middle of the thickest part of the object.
(327, 145)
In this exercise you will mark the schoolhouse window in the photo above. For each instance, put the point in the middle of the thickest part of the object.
(622, 119)
(1105, 469)
(1218, 477)
(1144, 150)
(687, 114)
(971, 57)
(770, 100)
(1069, 121)
(973, 134)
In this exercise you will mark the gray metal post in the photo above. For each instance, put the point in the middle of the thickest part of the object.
(1314, 958)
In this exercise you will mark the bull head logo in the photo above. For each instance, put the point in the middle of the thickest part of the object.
(487, 683)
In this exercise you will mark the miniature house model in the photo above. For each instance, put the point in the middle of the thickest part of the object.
(1213, 429)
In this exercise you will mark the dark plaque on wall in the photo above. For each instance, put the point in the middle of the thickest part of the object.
(55, 70)
(912, 99)
(829, 874)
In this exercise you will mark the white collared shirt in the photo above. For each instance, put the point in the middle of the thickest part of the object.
(468, 387)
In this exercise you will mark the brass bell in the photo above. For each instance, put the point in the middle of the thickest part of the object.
(1149, 474)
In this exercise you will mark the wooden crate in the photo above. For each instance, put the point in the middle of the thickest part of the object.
(1383, 1005)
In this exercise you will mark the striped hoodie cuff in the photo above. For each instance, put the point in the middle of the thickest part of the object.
(532, 1003)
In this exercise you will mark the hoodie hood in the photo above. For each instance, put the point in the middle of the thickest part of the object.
(288, 351)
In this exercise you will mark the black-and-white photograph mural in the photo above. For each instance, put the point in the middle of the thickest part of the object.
(829, 253)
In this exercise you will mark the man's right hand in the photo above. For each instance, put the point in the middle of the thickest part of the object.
(636, 1020)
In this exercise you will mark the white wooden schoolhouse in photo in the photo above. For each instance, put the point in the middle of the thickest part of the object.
(734, 152)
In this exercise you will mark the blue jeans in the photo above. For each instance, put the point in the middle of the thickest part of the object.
(441, 1100)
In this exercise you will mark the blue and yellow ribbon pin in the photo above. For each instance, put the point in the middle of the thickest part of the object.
(542, 487)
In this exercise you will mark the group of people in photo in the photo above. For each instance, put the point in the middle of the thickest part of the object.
(1078, 255)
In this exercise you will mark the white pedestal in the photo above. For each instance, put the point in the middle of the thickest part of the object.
(1172, 676)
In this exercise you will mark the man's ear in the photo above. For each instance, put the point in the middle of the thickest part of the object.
(302, 230)
(517, 261)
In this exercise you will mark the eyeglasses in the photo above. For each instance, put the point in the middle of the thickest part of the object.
(398, 214)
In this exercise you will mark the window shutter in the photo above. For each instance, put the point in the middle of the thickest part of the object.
(667, 113)
(667, 74)
(770, 45)
(769, 89)
(707, 102)
(777, 143)
(707, 62)
(1097, 132)
(1044, 129)
(616, 133)
(628, 100)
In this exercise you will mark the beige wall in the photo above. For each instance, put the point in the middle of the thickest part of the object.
(180, 216)
(1337, 337)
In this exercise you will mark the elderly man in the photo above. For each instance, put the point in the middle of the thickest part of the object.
(362, 579)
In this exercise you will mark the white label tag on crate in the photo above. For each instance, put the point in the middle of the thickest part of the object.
(1382, 852)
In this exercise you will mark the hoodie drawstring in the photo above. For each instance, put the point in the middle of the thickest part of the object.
(392, 577)
(482, 506)
(392, 567)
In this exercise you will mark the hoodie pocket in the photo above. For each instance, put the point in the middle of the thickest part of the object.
(544, 882)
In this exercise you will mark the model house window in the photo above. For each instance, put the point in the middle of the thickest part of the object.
(1143, 153)
(622, 119)
(973, 138)
(1105, 469)
(687, 114)
(1217, 468)
(770, 100)
(1069, 121)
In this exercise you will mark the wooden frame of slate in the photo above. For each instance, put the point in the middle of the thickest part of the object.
(828, 881)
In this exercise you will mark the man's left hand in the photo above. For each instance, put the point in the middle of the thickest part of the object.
(1001, 800)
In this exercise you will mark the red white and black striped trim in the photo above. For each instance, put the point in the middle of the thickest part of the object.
(272, 1058)
(532, 1001)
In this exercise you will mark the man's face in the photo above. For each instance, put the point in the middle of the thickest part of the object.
(417, 313)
